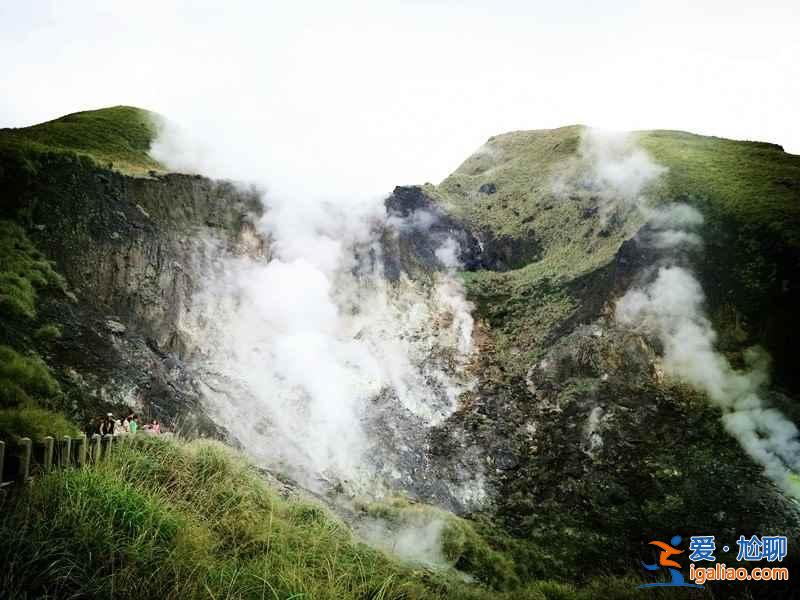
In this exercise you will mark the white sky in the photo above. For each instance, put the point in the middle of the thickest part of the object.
(347, 97)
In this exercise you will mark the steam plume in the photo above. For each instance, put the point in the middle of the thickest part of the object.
(299, 347)
(670, 304)
(671, 307)
(612, 170)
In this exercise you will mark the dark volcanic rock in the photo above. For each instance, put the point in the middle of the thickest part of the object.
(421, 226)
(418, 227)
(505, 252)
(127, 247)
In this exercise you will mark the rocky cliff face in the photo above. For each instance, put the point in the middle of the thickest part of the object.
(129, 248)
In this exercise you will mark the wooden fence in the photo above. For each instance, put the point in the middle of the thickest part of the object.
(20, 461)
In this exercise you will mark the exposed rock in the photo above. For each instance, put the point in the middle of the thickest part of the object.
(418, 227)
(115, 327)
(426, 226)
(127, 247)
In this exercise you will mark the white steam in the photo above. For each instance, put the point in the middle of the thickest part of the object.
(617, 175)
(447, 254)
(299, 348)
(611, 169)
(418, 542)
(671, 307)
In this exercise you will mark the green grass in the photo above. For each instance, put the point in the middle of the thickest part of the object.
(749, 193)
(34, 422)
(23, 378)
(23, 270)
(186, 521)
(462, 545)
(753, 182)
(193, 520)
(48, 333)
(118, 137)
(522, 305)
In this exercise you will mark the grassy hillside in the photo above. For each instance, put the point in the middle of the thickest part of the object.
(752, 181)
(27, 385)
(194, 520)
(117, 137)
(749, 193)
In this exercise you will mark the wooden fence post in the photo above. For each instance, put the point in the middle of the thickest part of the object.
(94, 451)
(79, 444)
(49, 445)
(44, 453)
(108, 440)
(64, 448)
(2, 462)
(24, 448)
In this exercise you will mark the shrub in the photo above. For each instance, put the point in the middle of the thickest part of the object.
(17, 296)
(34, 422)
(23, 269)
(471, 553)
(22, 377)
(48, 333)
(11, 394)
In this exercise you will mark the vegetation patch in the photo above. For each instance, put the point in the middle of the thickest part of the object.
(118, 137)
(48, 333)
(752, 182)
(34, 422)
(23, 378)
(194, 520)
(748, 193)
(23, 270)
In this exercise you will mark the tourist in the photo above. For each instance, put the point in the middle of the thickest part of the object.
(107, 425)
(133, 425)
(156, 426)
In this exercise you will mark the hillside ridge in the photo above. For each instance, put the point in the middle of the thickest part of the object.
(117, 137)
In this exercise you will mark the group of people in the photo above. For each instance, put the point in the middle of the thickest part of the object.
(108, 425)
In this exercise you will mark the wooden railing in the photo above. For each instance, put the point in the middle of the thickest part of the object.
(20, 461)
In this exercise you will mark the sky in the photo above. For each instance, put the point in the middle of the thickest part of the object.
(349, 97)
